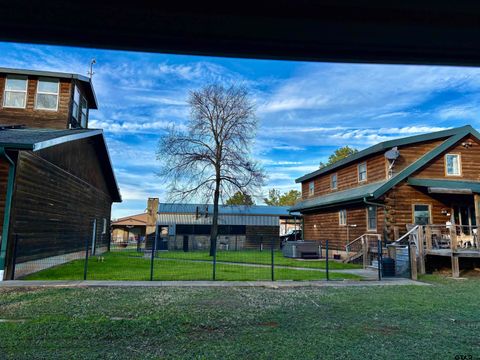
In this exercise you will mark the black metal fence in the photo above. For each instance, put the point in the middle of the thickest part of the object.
(142, 261)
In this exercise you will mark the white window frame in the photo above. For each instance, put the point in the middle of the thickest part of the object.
(342, 217)
(368, 219)
(459, 159)
(358, 172)
(336, 181)
(311, 188)
(57, 94)
(429, 212)
(25, 92)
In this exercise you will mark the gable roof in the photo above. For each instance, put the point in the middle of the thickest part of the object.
(33, 139)
(387, 145)
(378, 189)
(87, 82)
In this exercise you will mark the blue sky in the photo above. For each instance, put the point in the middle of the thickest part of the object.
(306, 110)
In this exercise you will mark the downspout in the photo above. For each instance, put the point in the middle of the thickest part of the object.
(384, 215)
(6, 217)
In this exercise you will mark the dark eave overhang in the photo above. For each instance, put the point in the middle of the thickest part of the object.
(446, 186)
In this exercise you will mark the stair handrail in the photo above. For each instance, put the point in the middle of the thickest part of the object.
(407, 234)
(366, 235)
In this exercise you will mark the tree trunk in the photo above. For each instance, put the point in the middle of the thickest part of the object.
(214, 229)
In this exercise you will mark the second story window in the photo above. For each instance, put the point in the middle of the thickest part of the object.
(362, 172)
(83, 112)
(47, 94)
(333, 182)
(311, 188)
(76, 103)
(15, 95)
(453, 165)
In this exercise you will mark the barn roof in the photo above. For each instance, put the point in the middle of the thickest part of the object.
(87, 83)
(20, 138)
(224, 209)
(387, 145)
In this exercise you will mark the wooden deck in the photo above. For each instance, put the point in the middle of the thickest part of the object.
(458, 252)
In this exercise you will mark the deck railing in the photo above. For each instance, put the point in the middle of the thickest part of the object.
(362, 248)
(453, 237)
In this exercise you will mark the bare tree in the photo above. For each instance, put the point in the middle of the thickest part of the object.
(211, 157)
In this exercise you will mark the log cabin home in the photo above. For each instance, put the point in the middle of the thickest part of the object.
(428, 180)
(57, 183)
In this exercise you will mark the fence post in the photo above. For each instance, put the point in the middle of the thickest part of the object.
(94, 236)
(15, 246)
(379, 259)
(273, 261)
(214, 262)
(85, 267)
(326, 259)
(154, 249)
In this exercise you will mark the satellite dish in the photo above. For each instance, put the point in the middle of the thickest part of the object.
(392, 154)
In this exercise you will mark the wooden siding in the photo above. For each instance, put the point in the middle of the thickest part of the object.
(32, 117)
(53, 210)
(328, 227)
(4, 166)
(377, 166)
(400, 201)
(79, 158)
(470, 163)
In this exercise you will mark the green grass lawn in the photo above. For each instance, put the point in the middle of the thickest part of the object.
(128, 265)
(391, 322)
(256, 257)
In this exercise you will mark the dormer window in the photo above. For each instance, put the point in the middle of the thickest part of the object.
(15, 95)
(47, 94)
(362, 172)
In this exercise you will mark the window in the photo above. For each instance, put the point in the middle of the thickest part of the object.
(15, 92)
(421, 214)
(47, 94)
(452, 164)
(333, 181)
(83, 112)
(362, 172)
(76, 103)
(342, 217)
(311, 188)
(372, 218)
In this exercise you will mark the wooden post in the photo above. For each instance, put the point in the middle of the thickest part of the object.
(365, 251)
(421, 251)
(455, 266)
(413, 261)
(428, 237)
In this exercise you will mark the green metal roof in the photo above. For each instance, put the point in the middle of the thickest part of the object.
(474, 186)
(376, 190)
(339, 197)
(36, 139)
(387, 145)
